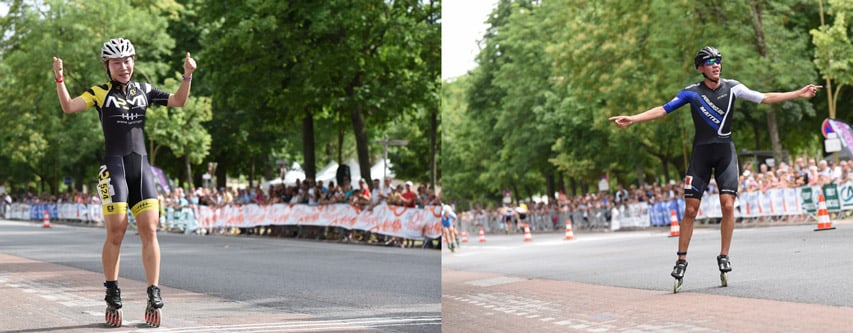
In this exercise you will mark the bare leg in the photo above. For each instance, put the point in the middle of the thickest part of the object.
(691, 208)
(147, 222)
(727, 225)
(116, 225)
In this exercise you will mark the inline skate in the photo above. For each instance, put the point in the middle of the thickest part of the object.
(725, 267)
(678, 273)
(112, 317)
(152, 310)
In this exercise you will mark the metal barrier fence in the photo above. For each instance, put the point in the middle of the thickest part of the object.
(592, 219)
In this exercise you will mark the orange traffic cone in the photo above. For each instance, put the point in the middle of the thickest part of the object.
(569, 234)
(823, 221)
(464, 236)
(482, 236)
(527, 236)
(46, 220)
(674, 229)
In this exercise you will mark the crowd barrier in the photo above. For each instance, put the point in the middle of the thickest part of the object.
(396, 221)
(419, 224)
(773, 204)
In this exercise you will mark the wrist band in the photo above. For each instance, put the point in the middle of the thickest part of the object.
(186, 78)
(60, 79)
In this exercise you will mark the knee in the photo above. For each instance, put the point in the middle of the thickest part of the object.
(147, 231)
(691, 211)
(115, 237)
(728, 206)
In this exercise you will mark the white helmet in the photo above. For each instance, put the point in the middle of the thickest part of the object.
(446, 209)
(117, 48)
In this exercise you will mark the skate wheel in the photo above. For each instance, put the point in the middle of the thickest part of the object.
(152, 317)
(112, 317)
(677, 286)
(724, 279)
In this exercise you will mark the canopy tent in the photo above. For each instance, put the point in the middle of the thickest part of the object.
(290, 177)
(329, 172)
(382, 169)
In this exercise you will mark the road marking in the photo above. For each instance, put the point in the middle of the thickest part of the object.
(531, 308)
(355, 324)
(491, 282)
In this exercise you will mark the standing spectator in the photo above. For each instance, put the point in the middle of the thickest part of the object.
(410, 198)
(361, 197)
(377, 195)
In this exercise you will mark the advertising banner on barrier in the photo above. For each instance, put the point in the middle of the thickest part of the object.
(830, 193)
(396, 221)
(411, 223)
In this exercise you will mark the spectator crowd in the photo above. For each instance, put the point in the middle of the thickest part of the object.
(804, 172)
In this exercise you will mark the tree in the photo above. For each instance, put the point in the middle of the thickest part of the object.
(181, 130)
(832, 52)
(50, 144)
(367, 61)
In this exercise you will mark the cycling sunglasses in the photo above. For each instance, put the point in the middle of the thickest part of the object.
(711, 61)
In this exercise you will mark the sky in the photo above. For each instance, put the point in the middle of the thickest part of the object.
(462, 25)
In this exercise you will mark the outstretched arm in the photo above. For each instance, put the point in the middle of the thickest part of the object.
(179, 98)
(652, 114)
(805, 92)
(68, 104)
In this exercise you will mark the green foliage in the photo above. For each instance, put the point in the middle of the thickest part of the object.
(50, 144)
(551, 73)
(263, 66)
(276, 63)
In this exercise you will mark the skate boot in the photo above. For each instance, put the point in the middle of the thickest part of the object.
(725, 267)
(678, 273)
(112, 316)
(152, 310)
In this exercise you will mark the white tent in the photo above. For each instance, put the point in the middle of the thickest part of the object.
(380, 170)
(328, 172)
(291, 176)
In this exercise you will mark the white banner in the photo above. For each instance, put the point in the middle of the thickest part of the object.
(411, 223)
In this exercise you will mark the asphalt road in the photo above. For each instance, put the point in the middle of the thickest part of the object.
(784, 263)
(786, 278)
(244, 279)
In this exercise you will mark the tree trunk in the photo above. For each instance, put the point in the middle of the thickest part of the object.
(641, 179)
(761, 44)
(361, 143)
(252, 172)
(549, 186)
(340, 137)
(189, 172)
(433, 145)
(561, 183)
(221, 176)
(775, 142)
(310, 165)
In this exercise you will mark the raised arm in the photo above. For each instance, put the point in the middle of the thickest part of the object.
(179, 98)
(805, 92)
(652, 114)
(68, 104)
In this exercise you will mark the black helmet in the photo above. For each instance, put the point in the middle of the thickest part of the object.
(707, 52)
